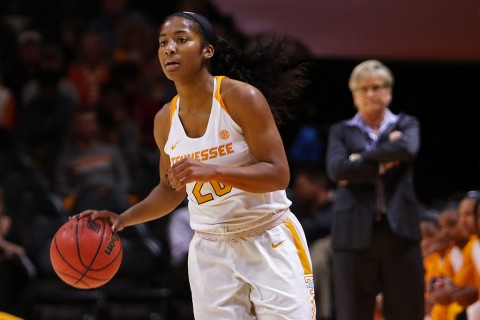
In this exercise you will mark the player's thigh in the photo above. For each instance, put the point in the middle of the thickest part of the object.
(283, 287)
(216, 292)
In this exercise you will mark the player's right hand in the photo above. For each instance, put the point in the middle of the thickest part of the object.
(113, 218)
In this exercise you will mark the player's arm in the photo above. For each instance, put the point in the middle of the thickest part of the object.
(162, 199)
(250, 110)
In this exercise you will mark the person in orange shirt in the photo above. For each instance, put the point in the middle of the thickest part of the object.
(432, 258)
(455, 237)
(91, 70)
(459, 289)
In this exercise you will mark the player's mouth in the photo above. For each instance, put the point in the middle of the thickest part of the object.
(171, 65)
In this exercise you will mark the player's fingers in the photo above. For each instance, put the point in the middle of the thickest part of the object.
(116, 226)
(83, 214)
(93, 214)
(172, 176)
(176, 179)
(178, 170)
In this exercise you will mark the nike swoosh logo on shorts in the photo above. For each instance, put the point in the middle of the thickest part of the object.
(275, 245)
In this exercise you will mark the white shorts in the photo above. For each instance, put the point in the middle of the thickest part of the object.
(264, 277)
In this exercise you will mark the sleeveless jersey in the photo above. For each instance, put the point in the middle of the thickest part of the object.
(218, 209)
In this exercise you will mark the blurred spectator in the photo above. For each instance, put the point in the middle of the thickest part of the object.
(450, 263)
(141, 107)
(91, 70)
(307, 147)
(116, 126)
(52, 61)
(70, 38)
(113, 13)
(91, 173)
(312, 203)
(16, 271)
(7, 118)
(458, 288)
(44, 123)
(179, 236)
(25, 66)
(136, 41)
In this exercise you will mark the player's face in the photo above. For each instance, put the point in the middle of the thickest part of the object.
(371, 96)
(180, 48)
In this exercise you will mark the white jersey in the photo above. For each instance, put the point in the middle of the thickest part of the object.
(218, 209)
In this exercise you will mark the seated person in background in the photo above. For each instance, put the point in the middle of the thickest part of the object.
(435, 246)
(458, 237)
(8, 109)
(44, 122)
(457, 288)
(14, 277)
(312, 198)
(180, 233)
(90, 172)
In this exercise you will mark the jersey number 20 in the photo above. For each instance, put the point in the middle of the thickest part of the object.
(217, 188)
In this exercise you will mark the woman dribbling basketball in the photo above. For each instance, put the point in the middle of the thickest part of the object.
(221, 148)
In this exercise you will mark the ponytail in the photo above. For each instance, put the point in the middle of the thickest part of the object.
(273, 68)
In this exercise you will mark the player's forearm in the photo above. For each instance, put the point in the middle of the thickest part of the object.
(257, 178)
(157, 204)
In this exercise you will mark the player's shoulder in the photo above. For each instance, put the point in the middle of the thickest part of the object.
(162, 122)
(232, 89)
(163, 115)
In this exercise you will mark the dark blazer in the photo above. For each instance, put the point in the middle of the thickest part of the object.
(355, 202)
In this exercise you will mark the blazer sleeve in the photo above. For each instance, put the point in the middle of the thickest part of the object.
(403, 149)
(342, 142)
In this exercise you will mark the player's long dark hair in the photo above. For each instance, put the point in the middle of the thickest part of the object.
(279, 71)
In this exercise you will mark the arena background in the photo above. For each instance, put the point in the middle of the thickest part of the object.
(432, 47)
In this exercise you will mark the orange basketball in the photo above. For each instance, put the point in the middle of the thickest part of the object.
(85, 253)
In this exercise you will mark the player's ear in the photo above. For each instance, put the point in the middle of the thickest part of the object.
(208, 51)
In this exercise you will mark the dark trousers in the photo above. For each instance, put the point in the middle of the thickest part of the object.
(392, 265)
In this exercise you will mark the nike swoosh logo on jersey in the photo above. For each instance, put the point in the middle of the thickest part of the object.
(275, 245)
(175, 144)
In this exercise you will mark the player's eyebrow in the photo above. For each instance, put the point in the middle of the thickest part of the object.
(176, 33)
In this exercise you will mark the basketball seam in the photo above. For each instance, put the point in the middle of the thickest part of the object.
(88, 268)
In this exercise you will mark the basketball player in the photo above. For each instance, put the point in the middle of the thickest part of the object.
(220, 145)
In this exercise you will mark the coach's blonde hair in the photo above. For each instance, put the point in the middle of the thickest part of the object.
(370, 68)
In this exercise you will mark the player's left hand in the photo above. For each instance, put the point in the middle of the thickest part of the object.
(188, 170)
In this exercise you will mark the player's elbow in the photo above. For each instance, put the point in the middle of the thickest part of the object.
(282, 179)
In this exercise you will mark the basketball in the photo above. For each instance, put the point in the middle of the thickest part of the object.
(85, 253)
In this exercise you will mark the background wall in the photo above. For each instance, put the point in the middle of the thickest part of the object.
(395, 29)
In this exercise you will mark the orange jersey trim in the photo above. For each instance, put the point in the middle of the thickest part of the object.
(173, 105)
(302, 253)
(218, 96)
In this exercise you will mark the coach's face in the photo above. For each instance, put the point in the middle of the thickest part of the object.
(372, 95)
